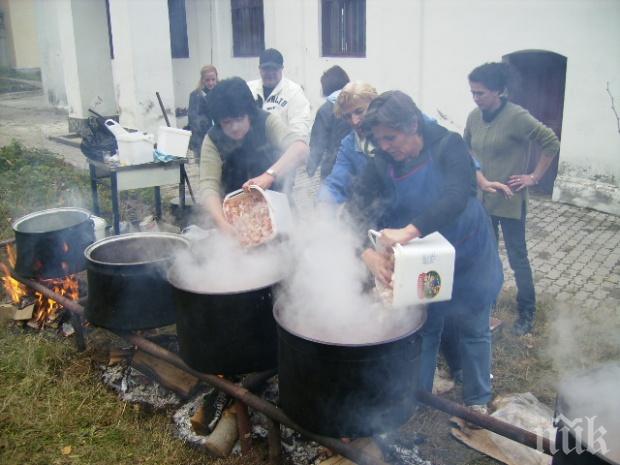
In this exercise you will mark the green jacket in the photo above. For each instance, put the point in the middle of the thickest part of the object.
(503, 148)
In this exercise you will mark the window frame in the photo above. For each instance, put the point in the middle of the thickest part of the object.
(345, 29)
(247, 44)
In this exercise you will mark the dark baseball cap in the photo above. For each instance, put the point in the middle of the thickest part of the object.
(271, 58)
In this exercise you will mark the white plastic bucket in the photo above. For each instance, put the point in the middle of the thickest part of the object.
(135, 148)
(423, 270)
(173, 141)
(279, 210)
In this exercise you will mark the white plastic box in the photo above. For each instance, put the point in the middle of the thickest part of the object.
(279, 210)
(173, 141)
(134, 148)
(423, 270)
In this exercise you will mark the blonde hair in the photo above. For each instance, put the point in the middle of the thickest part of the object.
(204, 70)
(353, 94)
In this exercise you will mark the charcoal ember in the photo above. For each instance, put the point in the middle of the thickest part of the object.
(134, 387)
(182, 418)
(398, 449)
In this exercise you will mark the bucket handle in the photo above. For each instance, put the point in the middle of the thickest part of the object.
(114, 127)
(374, 236)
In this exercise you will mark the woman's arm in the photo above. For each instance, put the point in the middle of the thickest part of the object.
(544, 136)
(295, 153)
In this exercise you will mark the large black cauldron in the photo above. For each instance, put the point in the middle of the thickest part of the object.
(127, 288)
(50, 243)
(342, 390)
(226, 332)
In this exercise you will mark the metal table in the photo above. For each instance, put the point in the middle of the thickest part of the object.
(136, 177)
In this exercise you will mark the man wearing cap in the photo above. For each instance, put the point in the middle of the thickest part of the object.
(280, 95)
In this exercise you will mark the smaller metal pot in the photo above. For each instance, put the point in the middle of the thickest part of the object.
(50, 243)
(127, 289)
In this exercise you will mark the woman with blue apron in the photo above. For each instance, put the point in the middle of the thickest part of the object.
(422, 180)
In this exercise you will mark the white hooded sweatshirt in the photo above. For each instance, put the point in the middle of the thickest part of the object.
(287, 100)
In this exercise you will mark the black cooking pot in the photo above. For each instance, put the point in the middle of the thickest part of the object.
(50, 243)
(127, 289)
(226, 332)
(347, 390)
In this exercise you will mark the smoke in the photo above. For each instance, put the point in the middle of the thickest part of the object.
(581, 340)
(593, 395)
(217, 264)
(580, 337)
(323, 299)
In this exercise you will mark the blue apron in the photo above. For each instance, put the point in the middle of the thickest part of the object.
(478, 274)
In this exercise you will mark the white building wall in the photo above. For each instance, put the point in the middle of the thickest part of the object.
(85, 53)
(52, 73)
(427, 48)
(142, 62)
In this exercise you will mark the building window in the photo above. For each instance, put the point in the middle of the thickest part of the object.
(344, 28)
(248, 27)
(178, 29)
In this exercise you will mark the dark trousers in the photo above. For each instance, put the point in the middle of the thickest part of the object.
(513, 232)
(474, 346)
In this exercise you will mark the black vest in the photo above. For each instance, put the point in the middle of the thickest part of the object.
(248, 159)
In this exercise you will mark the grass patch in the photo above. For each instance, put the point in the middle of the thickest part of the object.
(34, 179)
(55, 410)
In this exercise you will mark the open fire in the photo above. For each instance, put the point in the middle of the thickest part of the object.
(46, 311)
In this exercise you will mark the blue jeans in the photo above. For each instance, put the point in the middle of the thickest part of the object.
(513, 232)
(474, 347)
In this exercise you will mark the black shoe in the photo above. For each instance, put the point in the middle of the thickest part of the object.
(523, 326)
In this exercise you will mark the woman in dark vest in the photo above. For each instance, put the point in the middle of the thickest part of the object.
(422, 180)
(246, 146)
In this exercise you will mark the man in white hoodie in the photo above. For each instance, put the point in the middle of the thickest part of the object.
(280, 95)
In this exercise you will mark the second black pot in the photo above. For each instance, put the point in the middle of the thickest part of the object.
(226, 333)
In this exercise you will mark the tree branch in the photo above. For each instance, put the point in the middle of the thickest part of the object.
(613, 106)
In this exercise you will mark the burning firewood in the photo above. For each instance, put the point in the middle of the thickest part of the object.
(209, 413)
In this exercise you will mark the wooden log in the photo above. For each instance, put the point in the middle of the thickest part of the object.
(365, 445)
(117, 355)
(223, 438)
(274, 441)
(243, 426)
(169, 376)
(17, 313)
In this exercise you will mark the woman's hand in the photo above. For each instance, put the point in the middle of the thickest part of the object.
(380, 265)
(391, 237)
(264, 181)
(521, 181)
(495, 186)
(492, 186)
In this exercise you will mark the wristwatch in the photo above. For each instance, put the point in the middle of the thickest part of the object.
(271, 172)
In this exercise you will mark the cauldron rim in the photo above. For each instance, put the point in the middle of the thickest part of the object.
(49, 211)
(174, 282)
(129, 236)
(415, 329)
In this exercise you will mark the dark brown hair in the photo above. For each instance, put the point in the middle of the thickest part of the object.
(333, 79)
(393, 109)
